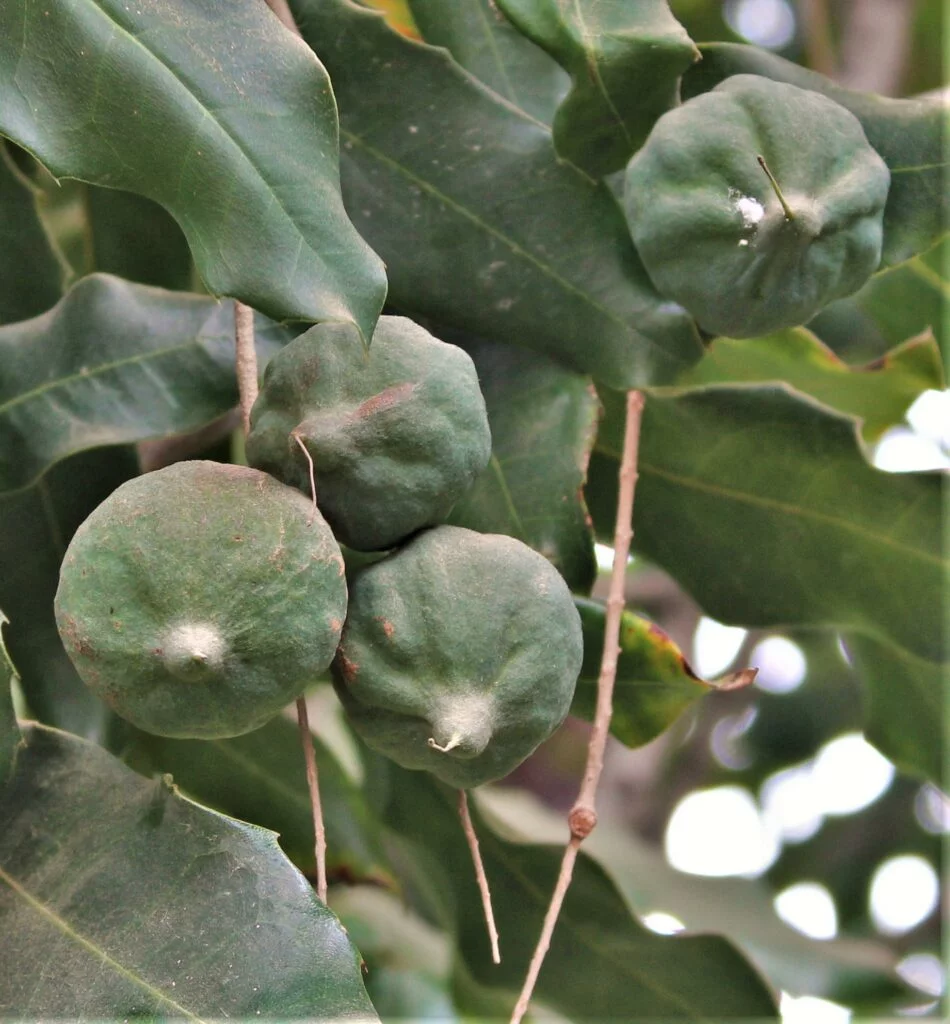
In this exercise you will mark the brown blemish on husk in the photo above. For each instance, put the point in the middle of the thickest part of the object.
(348, 668)
(386, 399)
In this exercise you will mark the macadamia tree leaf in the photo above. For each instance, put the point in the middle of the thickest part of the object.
(10, 738)
(756, 204)
(460, 654)
(123, 900)
(625, 61)
(200, 599)
(229, 123)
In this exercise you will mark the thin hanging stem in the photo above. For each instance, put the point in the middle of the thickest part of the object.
(789, 213)
(246, 362)
(469, 829)
(815, 21)
(313, 785)
(583, 816)
(313, 483)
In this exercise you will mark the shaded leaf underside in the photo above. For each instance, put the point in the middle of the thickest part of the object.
(480, 225)
(113, 363)
(602, 964)
(543, 420)
(141, 903)
(31, 276)
(878, 394)
(9, 732)
(760, 503)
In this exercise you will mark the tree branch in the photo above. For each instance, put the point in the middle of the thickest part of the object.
(246, 362)
(283, 12)
(583, 816)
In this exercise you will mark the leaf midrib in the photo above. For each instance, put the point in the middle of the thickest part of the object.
(773, 504)
(103, 368)
(254, 769)
(511, 244)
(482, 15)
(70, 933)
(590, 58)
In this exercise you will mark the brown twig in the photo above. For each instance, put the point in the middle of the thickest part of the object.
(583, 816)
(246, 362)
(283, 12)
(469, 829)
(816, 33)
(313, 784)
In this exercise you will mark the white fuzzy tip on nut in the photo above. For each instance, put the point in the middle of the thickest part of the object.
(462, 725)
(194, 651)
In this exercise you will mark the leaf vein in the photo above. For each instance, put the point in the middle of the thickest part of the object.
(70, 933)
(510, 243)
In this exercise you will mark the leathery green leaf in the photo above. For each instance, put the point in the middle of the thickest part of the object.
(912, 298)
(36, 524)
(260, 777)
(810, 535)
(905, 301)
(481, 226)
(229, 123)
(152, 906)
(136, 239)
(114, 363)
(743, 908)
(10, 738)
(601, 963)
(543, 420)
(625, 62)
(655, 683)
(31, 275)
(760, 503)
(878, 394)
(904, 705)
(484, 42)
(908, 134)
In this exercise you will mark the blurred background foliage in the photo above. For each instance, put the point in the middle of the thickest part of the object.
(762, 813)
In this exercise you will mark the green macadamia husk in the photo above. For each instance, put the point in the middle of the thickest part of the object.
(396, 434)
(711, 229)
(459, 655)
(198, 600)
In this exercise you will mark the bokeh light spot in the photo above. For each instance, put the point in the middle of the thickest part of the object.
(662, 923)
(809, 908)
(719, 832)
(715, 646)
(811, 1010)
(768, 23)
(849, 774)
(781, 663)
(904, 892)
